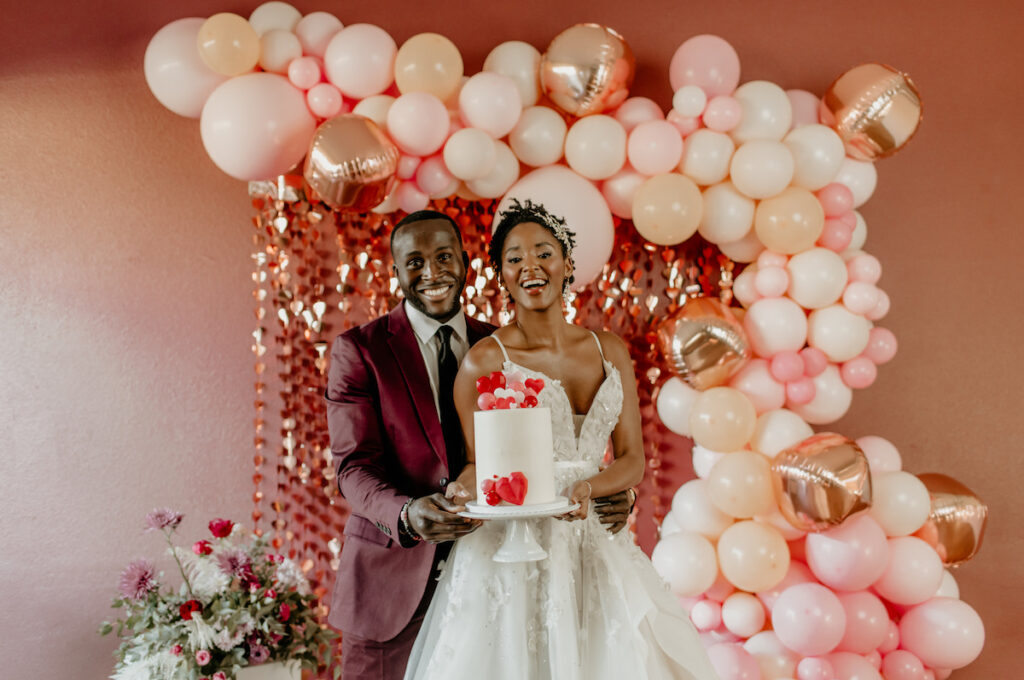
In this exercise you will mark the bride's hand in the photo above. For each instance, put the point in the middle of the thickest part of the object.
(579, 493)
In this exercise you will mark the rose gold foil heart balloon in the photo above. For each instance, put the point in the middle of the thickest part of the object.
(874, 108)
(703, 342)
(821, 481)
(587, 69)
(351, 164)
(956, 524)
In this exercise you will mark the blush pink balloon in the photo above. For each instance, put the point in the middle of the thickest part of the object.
(636, 110)
(836, 199)
(654, 147)
(360, 60)
(882, 308)
(864, 267)
(902, 665)
(805, 107)
(859, 373)
(433, 177)
(732, 662)
(867, 622)
(407, 166)
(485, 401)
(706, 615)
(315, 31)
(325, 101)
(815, 361)
(801, 391)
(892, 638)
(418, 123)
(619, 189)
(491, 102)
(809, 619)
(850, 666)
(708, 62)
(410, 198)
(881, 454)
(913, 574)
(874, 658)
(850, 556)
(304, 72)
(769, 258)
(686, 125)
(835, 235)
(881, 345)
(941, 673)
(860, 297)
(787, 366)
(755, 380)
(814, 668)
(722, 114)
(796, 573)
(771, 281)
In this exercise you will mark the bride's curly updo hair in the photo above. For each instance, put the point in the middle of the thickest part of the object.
(517, 213)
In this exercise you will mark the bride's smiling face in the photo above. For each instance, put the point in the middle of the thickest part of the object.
(533, 267)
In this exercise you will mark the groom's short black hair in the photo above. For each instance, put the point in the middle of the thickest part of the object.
(423, 216)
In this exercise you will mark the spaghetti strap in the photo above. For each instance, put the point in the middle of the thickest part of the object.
(502, 346)
(599, 348)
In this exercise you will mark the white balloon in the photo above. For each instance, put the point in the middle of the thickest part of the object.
(703, 460)
(619, 190)
(767, 112)
(501, 177)
(689, 101)
(706, 157)
(743, 614)
(470, 154)
(376, 109)
(755, 380)
(274, 15)
(175, 72)
(519, 61)
(860, 235)
(743, 287)
(782, 525)
(948, 587)
(539, 137)
(818, 153)
(595, 147)
(775, 325)
(838, 332)
(860, 177)
(831, 398)
(315, 31)
(900, 502)
(776, 660)
(745, 249)
(687, 562)
(882, 454)
(761, 168)
(728, 214)
(675, 401)
(694, 511)
(817, 277)
(669, 526)
(277, 49)
(490, 101)
(778, 430)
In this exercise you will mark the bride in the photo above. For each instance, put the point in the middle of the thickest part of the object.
(595, 608)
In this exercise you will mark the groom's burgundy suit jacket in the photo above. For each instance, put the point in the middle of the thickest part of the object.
(388, 446)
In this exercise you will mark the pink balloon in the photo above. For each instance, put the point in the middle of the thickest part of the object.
(874, 658)
(881, 454)
(686, 125)
(325, 101)
(175, 73)
(433, 177)
(902, 665)
(654, 147)
(892, 638)
(859, 373)
(714, 637)
(814, 668)
(619, 189)
(732, 662)
(720, 589)
(706, 615)
(707, 61)
(768, 258)
(722, 114)
(864, 268)
(913, 574)
(941, 673)
(771, 281)
(755, 380)
(407, 166)
(860, 297)
(418, 123)
(850, 666)
(805, 107)
(809, 619)
(410, 198)
(491, 102)
(485, 401)
(360, 60)
(304, 72)
(795, 574)
(636, 110)
(815, 361)
(315, 31)
(882, 308)
(836, 199)
(881, 345)
(836, 235)
(801, 391)
(850, 556)
(787, 366)
(867, 622)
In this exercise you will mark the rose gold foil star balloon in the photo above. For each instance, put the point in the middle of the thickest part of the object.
(351, 164)
(956, 524)
(703, 342)
(821, 481)
(874, 108)
(587, 69)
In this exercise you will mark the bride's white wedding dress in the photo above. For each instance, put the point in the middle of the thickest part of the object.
(595, 608)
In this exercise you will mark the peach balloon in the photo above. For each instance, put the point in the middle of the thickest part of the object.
(519, 61)
(763, 168)
(539, 136)
(817, 278)
(753, 556)
(790, 222)
(376, 109)
(704, 460)
(913, 573)
(428, 62)
(722, 419)
(745, 249)
(777, 662)
(228, 44)
(740, 485)
(595, 147)
(666, 208)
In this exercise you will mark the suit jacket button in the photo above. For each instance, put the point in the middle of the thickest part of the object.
(443, 482)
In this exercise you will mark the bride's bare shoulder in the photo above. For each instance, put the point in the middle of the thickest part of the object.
(483, 357)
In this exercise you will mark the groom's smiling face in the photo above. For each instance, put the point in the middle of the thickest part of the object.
(430, 266)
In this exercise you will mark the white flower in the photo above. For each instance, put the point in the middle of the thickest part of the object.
(201, 635)
(289, 575)
(227, 641)
(204, 574)
(135, 670)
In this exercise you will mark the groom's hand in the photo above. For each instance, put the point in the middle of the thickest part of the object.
(613, 511)
(434, 518)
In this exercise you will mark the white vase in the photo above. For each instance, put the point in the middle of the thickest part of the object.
(278, 670)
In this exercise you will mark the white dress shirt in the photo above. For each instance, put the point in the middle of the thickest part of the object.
(425, 330)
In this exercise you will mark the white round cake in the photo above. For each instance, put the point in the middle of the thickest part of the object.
(512, 444)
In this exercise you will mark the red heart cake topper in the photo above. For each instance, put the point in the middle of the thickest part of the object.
(511, 489)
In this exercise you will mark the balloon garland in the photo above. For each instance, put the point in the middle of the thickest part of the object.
(799, 555)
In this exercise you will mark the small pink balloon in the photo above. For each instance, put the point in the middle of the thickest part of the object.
(850, 556)
(801, 391)
(410, 198)
(848, 218)
(708, 62)
(407, 166)
(433, 177)
(902, 665)
(768, 258)
(836, 199)
(796, 573)
(814, 668)
(882, 308)
(787, 366)
(805, 107)
(892, 638)
(720, 589)
(636, 110)
(881, 345)
(771, 281)
(912, 576)
(485, 401)
(815, 361)
(325, 101)
(859, 373)
(685, 124)
(809, 619)
(732, 662)
(722, 114)
(706, 615)
(836, 235)
(881, 454)
(304, 72)
(867, 622)
(860, 297)
(654, 147)
(864, 268)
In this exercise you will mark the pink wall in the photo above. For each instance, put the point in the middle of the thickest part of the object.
(126, 377)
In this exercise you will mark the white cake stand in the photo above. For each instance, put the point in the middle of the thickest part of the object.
(519, 544)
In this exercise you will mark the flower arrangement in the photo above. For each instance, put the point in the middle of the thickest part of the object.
(238, 605)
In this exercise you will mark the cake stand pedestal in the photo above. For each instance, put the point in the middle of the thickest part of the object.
(519, 544)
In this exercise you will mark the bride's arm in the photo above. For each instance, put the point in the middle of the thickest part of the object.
(482, 359)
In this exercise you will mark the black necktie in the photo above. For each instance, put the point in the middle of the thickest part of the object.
(447, 367)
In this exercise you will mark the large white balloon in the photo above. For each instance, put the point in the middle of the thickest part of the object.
(728, 214)
(470, 154)
(175, 73)
(502, 176)
(778, 430)
(838, 332)
(899, 502)
(817, 277)
(694, 511)
(818, 154)
(687, 562)
(745, 249)
(704, 460)
(491, 102)
(775, 325)
(831, 398)
(539, 137)
(274, 15)
(860, 176)
(675, 401)
(706, 157)
(761, 168)
(595, 147)
(767, 112)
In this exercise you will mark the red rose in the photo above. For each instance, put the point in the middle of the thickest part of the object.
(221, 528)
(187, 609)
(285, 613)
(202, 547)
(271, 593)
(176, 649)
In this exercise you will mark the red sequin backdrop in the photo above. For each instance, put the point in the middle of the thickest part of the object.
(317, 274)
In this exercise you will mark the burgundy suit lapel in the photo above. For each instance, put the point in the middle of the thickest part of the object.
(409, 359)
(477, 330)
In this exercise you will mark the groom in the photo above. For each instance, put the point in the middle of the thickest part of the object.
(396, 443)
